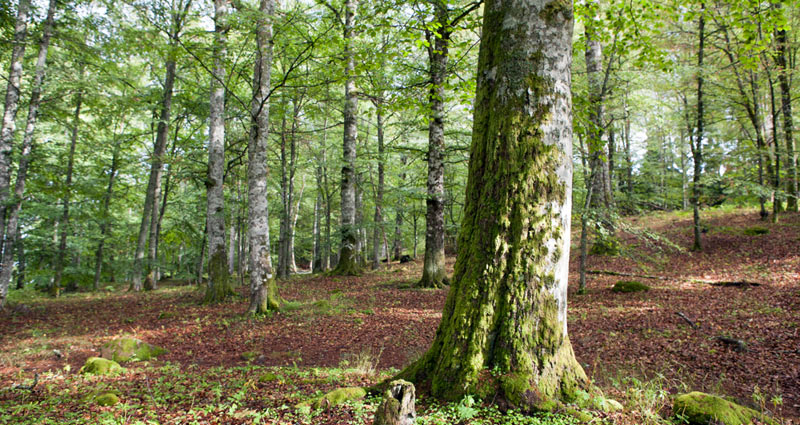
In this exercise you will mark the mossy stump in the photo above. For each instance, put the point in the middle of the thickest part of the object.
(626, 286)
(705, 409)
(397, 407)
(100, 366)
(126, 349)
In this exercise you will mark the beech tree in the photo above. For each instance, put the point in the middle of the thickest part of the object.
(348, 255)
(219, 286)
(506, 310)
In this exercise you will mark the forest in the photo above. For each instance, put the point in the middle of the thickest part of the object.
(399, 212)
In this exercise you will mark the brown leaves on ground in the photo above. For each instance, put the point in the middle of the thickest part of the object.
(334, 319)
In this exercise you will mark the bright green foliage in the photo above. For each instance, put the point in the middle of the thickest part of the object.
(100, 366)
(629, 286)
(698, 408)
(126, 349)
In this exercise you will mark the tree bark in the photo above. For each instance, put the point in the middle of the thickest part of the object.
(378, 230)
(397, 245)
(348, 255)
(696, 141)
(788, 124)
(55, 288)
(219, 286)
(104, 223)
(10, 107)
(433, 269)
(12, 235)
(150, 209)
(263, 289)
(506, 310)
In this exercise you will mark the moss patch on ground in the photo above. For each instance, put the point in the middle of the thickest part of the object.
(335, 398)
(629, 286)
(100, 366)
(698, 408)
(130, 349)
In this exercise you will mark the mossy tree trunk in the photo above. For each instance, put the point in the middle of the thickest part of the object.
(503, 334)
(219, 284)
(11, 106)
(433, 271)
(348, 253)
(263, 289)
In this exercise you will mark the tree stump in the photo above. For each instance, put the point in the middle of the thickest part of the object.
(397, 407)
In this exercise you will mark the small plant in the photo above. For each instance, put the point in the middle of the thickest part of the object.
(364, 362)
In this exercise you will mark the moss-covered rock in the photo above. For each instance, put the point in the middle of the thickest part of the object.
(100, 366)
(126, 349)
(698, 408)
(755, 231)
(629, 286)
(334, 398)
(106, 399)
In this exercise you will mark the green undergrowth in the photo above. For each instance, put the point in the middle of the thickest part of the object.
(151, 394)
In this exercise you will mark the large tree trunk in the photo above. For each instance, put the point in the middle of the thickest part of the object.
(55, 288)
(433, 271)
(696, 141)
(219, 285)
(348, 255)
(378, 230)
(263, 289)
(506, 311)
(12, 226)
(11, 105)
(788, 124)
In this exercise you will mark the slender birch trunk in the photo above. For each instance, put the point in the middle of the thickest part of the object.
(12, 225)
(11, 105)
(55, 288)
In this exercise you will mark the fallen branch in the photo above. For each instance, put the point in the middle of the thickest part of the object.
(649, 276)
(738, 345)
(689, 321)
(28, 387)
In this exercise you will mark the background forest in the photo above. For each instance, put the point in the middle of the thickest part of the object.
(111, 67)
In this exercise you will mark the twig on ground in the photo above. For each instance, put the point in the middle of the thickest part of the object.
(688, 320)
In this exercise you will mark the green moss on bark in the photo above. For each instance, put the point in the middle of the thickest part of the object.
(219, 280)
(503, 328)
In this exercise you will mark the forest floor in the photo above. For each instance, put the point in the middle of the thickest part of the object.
(340, 331)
